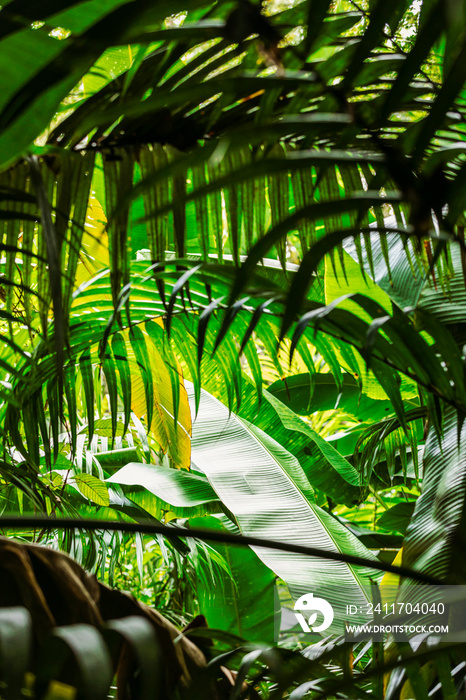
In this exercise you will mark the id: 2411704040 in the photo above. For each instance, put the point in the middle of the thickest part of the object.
(397, 608)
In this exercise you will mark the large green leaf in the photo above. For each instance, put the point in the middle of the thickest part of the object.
(168, 489)
(265, 488)
(435, 536)
(324, 467)
(242, 603)
(22, 55)
(330, 454)
(305, 393)
(397, 517)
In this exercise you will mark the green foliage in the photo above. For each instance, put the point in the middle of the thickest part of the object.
(232, 294)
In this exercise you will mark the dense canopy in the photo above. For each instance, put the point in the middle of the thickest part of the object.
(232, 296)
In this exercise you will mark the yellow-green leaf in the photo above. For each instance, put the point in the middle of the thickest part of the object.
(92, 488)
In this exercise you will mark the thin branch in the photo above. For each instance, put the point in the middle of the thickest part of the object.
(205, 534)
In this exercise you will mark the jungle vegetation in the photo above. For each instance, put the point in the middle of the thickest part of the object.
(232, 296)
